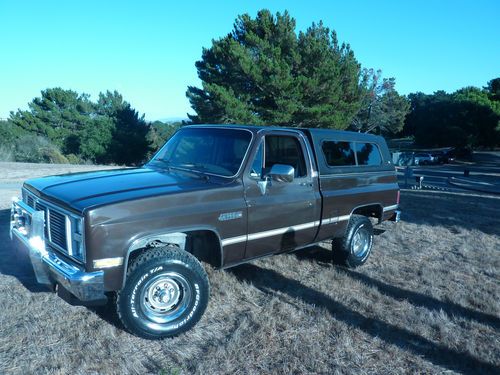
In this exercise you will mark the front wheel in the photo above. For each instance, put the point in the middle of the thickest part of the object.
(355, 247)
(166, 293)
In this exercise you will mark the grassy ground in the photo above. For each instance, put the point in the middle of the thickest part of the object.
(427, 301)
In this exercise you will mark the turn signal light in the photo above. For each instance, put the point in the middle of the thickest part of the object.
(108, 262)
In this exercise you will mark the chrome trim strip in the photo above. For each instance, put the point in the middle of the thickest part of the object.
(336, 219)
(49, 235)
(69, 237)
(233, 240)
(355, 174)
(390, 208)
(278, 231)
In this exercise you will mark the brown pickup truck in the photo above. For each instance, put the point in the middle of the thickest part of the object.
(218, 194)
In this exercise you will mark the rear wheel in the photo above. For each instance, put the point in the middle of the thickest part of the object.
(165, 294)
(355, 247)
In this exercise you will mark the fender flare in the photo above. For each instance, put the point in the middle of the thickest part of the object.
(176, 237)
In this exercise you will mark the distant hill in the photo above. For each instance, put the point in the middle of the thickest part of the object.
(172, 119)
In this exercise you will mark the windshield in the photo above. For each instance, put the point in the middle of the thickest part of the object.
(208, 150)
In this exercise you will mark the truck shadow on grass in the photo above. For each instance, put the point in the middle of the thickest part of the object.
(269, 281)
(322, 255)
(455, 211)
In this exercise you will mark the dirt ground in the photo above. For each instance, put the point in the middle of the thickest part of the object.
(427, 301)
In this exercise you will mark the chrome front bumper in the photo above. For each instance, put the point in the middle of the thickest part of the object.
(27, 225)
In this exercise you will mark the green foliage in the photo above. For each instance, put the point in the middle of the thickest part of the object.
(126, 131)
(9, 132)
(108, 131)
(58, 115)
(493, 89)
(469, 117)
(8, 135)
(382, 110)
(479, 97)
(264, 73)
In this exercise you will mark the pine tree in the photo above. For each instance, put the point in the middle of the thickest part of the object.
(264, 73)
(383, 110)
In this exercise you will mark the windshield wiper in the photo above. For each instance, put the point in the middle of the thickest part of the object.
(166, 163)
(197, 166)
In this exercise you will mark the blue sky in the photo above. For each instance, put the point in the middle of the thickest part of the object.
(147, 49)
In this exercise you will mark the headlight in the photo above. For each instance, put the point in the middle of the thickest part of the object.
(77, 239)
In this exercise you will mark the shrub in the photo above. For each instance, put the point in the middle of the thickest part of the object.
(73, 159)
(6, 153)
(36, 149)
(53, 155)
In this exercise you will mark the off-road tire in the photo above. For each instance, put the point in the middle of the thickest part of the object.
(344, 249)
(156, 279)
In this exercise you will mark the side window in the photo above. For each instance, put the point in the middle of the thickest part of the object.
(256, 170)
(338, 153)
(284, 150)
(368, 154)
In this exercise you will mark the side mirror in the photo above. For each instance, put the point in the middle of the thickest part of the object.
(282, 173)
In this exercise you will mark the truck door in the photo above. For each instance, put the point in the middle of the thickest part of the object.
(284, 215)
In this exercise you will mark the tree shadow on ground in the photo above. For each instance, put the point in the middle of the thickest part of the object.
(270, 281)
(15, 260)
(487, 158)
(449, 211)
(320, 254)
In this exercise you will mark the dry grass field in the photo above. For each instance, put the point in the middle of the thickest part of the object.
(427, 301)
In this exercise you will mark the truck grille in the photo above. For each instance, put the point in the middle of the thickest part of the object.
(55, 223)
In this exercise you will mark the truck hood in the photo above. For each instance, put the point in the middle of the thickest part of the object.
(80, 191)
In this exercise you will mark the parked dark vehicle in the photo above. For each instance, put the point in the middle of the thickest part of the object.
(423, 158)
(439, 157)
(443, 156)
(217, 194)
(460, 153)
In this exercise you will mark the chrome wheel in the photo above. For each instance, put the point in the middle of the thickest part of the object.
(361, 242)
(165, 297)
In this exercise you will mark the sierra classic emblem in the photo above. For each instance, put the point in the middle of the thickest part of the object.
(230, 216)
